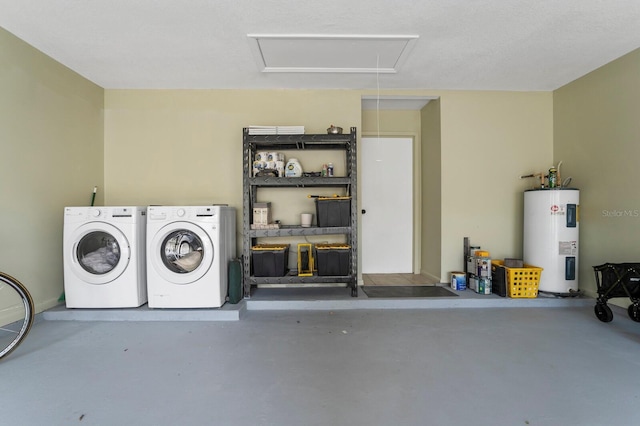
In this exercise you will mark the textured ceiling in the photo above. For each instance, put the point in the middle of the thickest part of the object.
(463, 44)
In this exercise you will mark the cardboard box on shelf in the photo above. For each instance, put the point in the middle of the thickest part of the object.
(262, 213)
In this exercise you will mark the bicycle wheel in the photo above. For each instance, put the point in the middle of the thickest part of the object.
(16, 313)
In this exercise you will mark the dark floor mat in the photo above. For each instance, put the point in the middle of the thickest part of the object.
(407, 291)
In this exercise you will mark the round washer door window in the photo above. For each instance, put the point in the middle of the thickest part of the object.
(98, 252)
(182, 251)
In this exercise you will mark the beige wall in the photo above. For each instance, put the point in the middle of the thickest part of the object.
(488, 140)
(185, 147)
(51, 133)
(431, 256)
(597, 136)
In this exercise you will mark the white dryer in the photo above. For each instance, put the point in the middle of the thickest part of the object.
(188, 254)
(104, 257)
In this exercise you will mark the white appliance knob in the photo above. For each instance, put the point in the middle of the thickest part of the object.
(95, 212)
(180, 212)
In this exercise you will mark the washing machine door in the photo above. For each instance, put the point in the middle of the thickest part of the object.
(181, 252)
(100, 252)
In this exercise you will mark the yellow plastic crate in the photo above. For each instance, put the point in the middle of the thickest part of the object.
(521, 282)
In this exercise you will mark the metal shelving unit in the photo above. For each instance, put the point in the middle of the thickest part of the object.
(251, 185)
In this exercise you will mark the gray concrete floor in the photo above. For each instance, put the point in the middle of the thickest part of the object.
(459, 366)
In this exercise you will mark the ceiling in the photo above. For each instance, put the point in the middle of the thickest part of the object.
(519, 45)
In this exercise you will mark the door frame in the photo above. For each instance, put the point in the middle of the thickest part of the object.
(417, 195)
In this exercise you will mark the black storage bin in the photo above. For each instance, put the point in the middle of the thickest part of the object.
(333, 211)
(270, 260)
(499, 280)
(333, 259)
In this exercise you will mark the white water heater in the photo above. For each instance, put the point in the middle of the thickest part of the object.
(551, 228)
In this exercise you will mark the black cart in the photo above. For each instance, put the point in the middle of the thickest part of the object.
(617, 280)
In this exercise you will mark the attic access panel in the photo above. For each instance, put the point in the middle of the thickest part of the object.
(331, 53)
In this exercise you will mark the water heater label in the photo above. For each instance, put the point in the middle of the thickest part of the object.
(568, 248)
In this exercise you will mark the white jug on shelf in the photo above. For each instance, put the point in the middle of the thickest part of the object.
(293, 168)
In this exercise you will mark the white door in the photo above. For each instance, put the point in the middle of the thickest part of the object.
(387, 205)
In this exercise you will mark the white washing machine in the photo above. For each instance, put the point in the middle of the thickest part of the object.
(104, 257)
(188, 254)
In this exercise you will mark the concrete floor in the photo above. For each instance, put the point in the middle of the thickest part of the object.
(524, 365)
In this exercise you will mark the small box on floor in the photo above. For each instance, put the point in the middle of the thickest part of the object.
(484, 285)
(480, 285)
(458, 281)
